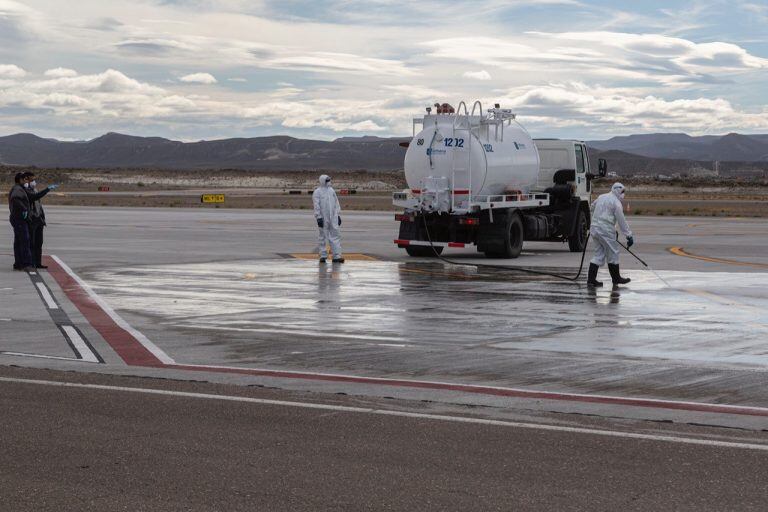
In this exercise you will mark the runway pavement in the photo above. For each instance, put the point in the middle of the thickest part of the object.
(230, 297)
(106, 443)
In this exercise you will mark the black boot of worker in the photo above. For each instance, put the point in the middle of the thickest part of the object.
(592, 276)
(616, 275)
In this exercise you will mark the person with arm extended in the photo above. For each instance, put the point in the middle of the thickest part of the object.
(36, 218)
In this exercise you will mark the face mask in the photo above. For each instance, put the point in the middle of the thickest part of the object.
(33, 183)
(622, 195)
(26, 185)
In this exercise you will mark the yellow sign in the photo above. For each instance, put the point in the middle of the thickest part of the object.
(212, 198)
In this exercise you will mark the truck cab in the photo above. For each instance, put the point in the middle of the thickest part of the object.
(556, 155)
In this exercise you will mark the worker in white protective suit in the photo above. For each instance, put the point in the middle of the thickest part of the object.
(328, 216)
(608, 212)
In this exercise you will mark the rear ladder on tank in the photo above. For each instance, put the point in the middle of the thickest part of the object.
(461, 166)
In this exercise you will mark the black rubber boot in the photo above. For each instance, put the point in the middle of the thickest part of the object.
(592, 276)
(616, 275)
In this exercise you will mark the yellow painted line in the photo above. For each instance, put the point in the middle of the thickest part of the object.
(679, 251)
(353, 256)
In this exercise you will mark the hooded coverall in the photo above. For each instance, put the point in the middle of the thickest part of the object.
(608, 212)
(328, 209)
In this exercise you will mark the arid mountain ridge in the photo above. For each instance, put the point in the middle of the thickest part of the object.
(634, 154)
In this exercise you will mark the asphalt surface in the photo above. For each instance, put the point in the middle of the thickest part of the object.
(233, 307)
(224, 288)
(104, 449)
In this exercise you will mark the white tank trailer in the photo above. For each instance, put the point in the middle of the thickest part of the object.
(477, 177)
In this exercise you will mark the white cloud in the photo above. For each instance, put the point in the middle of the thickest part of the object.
(110, 81)
(477, 75)
(199, 78)
(622, 110)
(759, 10)
(643, 57)
(286, 92)
(338, 62)
(354, 66)
(60, 73)
(154, 45)
(113, 97)
(20, 23)
(11, 71)
(664, 54)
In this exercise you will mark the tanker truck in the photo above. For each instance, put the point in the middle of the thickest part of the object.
(478, 178)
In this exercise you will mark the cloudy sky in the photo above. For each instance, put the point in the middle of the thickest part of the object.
(205, 69)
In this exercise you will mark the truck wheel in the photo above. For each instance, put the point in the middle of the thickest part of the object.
(578, 239)
(422, 251)
(512, 239)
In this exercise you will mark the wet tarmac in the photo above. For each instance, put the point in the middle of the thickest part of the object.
(421, 307)
(449, 322)
(232, 288)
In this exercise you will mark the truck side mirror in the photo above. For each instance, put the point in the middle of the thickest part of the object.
(602, 167)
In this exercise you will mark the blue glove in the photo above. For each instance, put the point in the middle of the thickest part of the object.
(630, 241)
(320, 222)
(53, 187)
(24, 215)
(339, 221)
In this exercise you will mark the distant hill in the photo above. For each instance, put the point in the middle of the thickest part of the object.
(115, 150)
(731, 147)
(635, 154)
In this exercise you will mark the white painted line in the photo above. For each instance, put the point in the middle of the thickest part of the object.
(39, 356)
(383, 412)
(5, 319)
(47, 297)
(295, 332)
(154, 349)
(85, 351)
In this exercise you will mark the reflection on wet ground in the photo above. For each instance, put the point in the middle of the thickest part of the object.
(413, 317)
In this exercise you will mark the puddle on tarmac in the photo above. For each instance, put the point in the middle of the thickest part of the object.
(712, 317)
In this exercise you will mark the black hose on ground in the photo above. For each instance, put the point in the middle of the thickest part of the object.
(509, 269)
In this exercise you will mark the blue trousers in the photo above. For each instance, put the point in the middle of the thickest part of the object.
(22, 252)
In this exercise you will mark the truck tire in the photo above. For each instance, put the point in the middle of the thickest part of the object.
(511, 239)
(421, 251)
(577, 241)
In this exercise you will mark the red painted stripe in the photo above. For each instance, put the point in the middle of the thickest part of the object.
(127, 347)
(486, 390)
(403, 242)
(461, 192)
(415, 191)
(455, 244)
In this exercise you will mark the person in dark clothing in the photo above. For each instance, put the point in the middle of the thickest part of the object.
(36, 218)
(19, 205)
